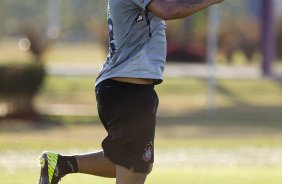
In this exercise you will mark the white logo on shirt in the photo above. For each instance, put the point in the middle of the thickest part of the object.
(140, 18)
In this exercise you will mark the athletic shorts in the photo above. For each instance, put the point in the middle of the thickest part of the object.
(128, 113)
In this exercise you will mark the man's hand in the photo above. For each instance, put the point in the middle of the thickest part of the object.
(176, 9)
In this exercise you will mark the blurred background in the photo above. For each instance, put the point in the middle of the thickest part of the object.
(220, 112)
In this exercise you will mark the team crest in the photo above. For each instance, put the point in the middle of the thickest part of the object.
(140, 17)
(148, 152)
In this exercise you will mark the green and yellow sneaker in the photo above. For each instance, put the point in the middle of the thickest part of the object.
(50, 171)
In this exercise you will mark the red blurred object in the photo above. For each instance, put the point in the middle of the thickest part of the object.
(193, 52)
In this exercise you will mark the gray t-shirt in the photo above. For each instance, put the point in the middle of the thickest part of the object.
(137, 42)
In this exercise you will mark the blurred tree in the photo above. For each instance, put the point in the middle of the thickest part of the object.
(78, 14)
(15, 13)
(243, 35)
(75, 14)
(39, 40)
(85, 20)
(240, 29)
(186, 38)
(20, 82)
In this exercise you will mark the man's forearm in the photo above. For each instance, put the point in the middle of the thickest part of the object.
(184, 8)
(175, 9)
(189, 3)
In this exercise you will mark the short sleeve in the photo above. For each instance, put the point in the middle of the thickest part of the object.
(142, 3)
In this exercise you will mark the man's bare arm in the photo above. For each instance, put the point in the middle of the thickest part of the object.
(176, 9)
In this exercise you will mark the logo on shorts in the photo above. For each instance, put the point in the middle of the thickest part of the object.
(141, 1)
(148, 152)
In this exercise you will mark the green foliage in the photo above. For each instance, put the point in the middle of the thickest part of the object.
(18, 85)
(20, 79)
(75, 15)
(14, 14)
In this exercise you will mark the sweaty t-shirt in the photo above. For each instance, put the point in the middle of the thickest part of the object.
(137, 42)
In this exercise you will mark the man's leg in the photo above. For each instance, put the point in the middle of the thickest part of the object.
(125, 176)
(55, 166)
(96, 164)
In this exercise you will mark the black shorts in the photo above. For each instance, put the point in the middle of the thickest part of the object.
(128, 113)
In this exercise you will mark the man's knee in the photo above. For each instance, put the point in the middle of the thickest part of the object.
(125, 176)
(150, 168)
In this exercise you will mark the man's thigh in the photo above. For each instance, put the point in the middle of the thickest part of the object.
(128, 112)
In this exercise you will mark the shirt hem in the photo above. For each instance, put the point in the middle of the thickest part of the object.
(157, 80)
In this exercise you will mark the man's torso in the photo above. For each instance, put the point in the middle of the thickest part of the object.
(137, 43)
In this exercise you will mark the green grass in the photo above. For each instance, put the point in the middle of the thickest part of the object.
(216, 176)
(68, 90)
(168, 176)
(248, 117)
(84, 137)
(57, 53)
(66, 138)
(177, 95)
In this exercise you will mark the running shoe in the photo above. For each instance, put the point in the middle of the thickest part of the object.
(50, 171)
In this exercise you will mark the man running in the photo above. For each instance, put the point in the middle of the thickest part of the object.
(126, 100)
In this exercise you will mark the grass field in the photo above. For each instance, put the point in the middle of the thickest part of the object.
(168, 176)
(177, 95)
(58, 53)
(240, 144)
(213, 154)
